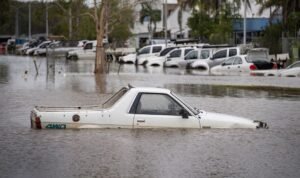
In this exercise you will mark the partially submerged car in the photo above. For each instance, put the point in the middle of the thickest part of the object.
(88, 51)
(177, 55)
(147, 51)
(137, 107)
(42, 51)
(292, 70)
(128, 59)
(160, 59)
(195, 55)
(31, 51)
(241, 64)
(217, 58)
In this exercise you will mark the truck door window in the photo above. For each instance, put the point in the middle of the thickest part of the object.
(176, 53)
(187, 51)
(232, 52)
(158, 104)
(156, 49)
(88, 46)
(192, 55)
(220, 54)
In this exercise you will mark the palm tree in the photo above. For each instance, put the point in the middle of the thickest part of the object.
(153, 15)
(286, 6)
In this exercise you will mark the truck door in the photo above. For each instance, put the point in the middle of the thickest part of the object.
(154, 110)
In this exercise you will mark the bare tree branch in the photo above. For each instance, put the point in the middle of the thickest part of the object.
(90, 15)
(60, 6)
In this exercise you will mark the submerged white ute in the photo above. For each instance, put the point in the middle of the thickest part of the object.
(136, 107)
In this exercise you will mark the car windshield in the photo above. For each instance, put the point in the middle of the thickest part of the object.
(195, 111)
(112, 100)
(166, 51)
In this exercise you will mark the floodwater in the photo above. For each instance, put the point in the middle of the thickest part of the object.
(214, 153)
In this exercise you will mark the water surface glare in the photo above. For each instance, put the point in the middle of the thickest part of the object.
(214, 153)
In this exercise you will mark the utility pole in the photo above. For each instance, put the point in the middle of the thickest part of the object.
(245, 14)
(29, 20)
(47, 25)
(17, 23)
(165, 19)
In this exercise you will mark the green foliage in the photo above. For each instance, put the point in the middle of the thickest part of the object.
(119, 23)
(147, 11)
(213, 29)
(4, 14)
(271, 38)
(293, 22)
(201, 25)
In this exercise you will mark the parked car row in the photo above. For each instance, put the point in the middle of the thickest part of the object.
(39, 48)
(218, 59)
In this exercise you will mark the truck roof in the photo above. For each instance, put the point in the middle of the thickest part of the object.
(150, 90)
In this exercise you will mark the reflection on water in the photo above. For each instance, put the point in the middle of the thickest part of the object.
(144, 153)
(3, 73)
(234, 91)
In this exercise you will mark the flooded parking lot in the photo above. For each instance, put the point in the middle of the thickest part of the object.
(153, 152)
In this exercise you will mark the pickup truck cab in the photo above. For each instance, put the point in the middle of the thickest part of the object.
(87, 52)
(139, 107)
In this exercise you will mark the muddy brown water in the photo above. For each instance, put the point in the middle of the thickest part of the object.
(152, 152)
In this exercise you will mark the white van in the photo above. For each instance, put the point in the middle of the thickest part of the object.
(217, 58)
(147, 51)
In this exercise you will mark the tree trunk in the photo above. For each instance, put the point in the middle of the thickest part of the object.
(100, 51)
(70, 22)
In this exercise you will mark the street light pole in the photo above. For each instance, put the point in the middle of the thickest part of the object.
(165, 19)
(29, 21)
(17, 23)
(245, 14)
(47, 26)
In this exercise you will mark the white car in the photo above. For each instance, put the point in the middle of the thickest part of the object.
(176, 56)
(195, 55)
(234, 65)
(129, 58)
(43, 49)
(160, 59)
(87, 52)
(136, 108)
(31, 51)
(147, 51)
(292, 70)
(23, 49)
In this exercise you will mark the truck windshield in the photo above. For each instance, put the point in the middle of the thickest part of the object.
(112, 100)
(194, 111)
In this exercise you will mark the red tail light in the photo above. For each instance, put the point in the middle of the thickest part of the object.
(274, 66)
(252, 67)
(38, 123)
